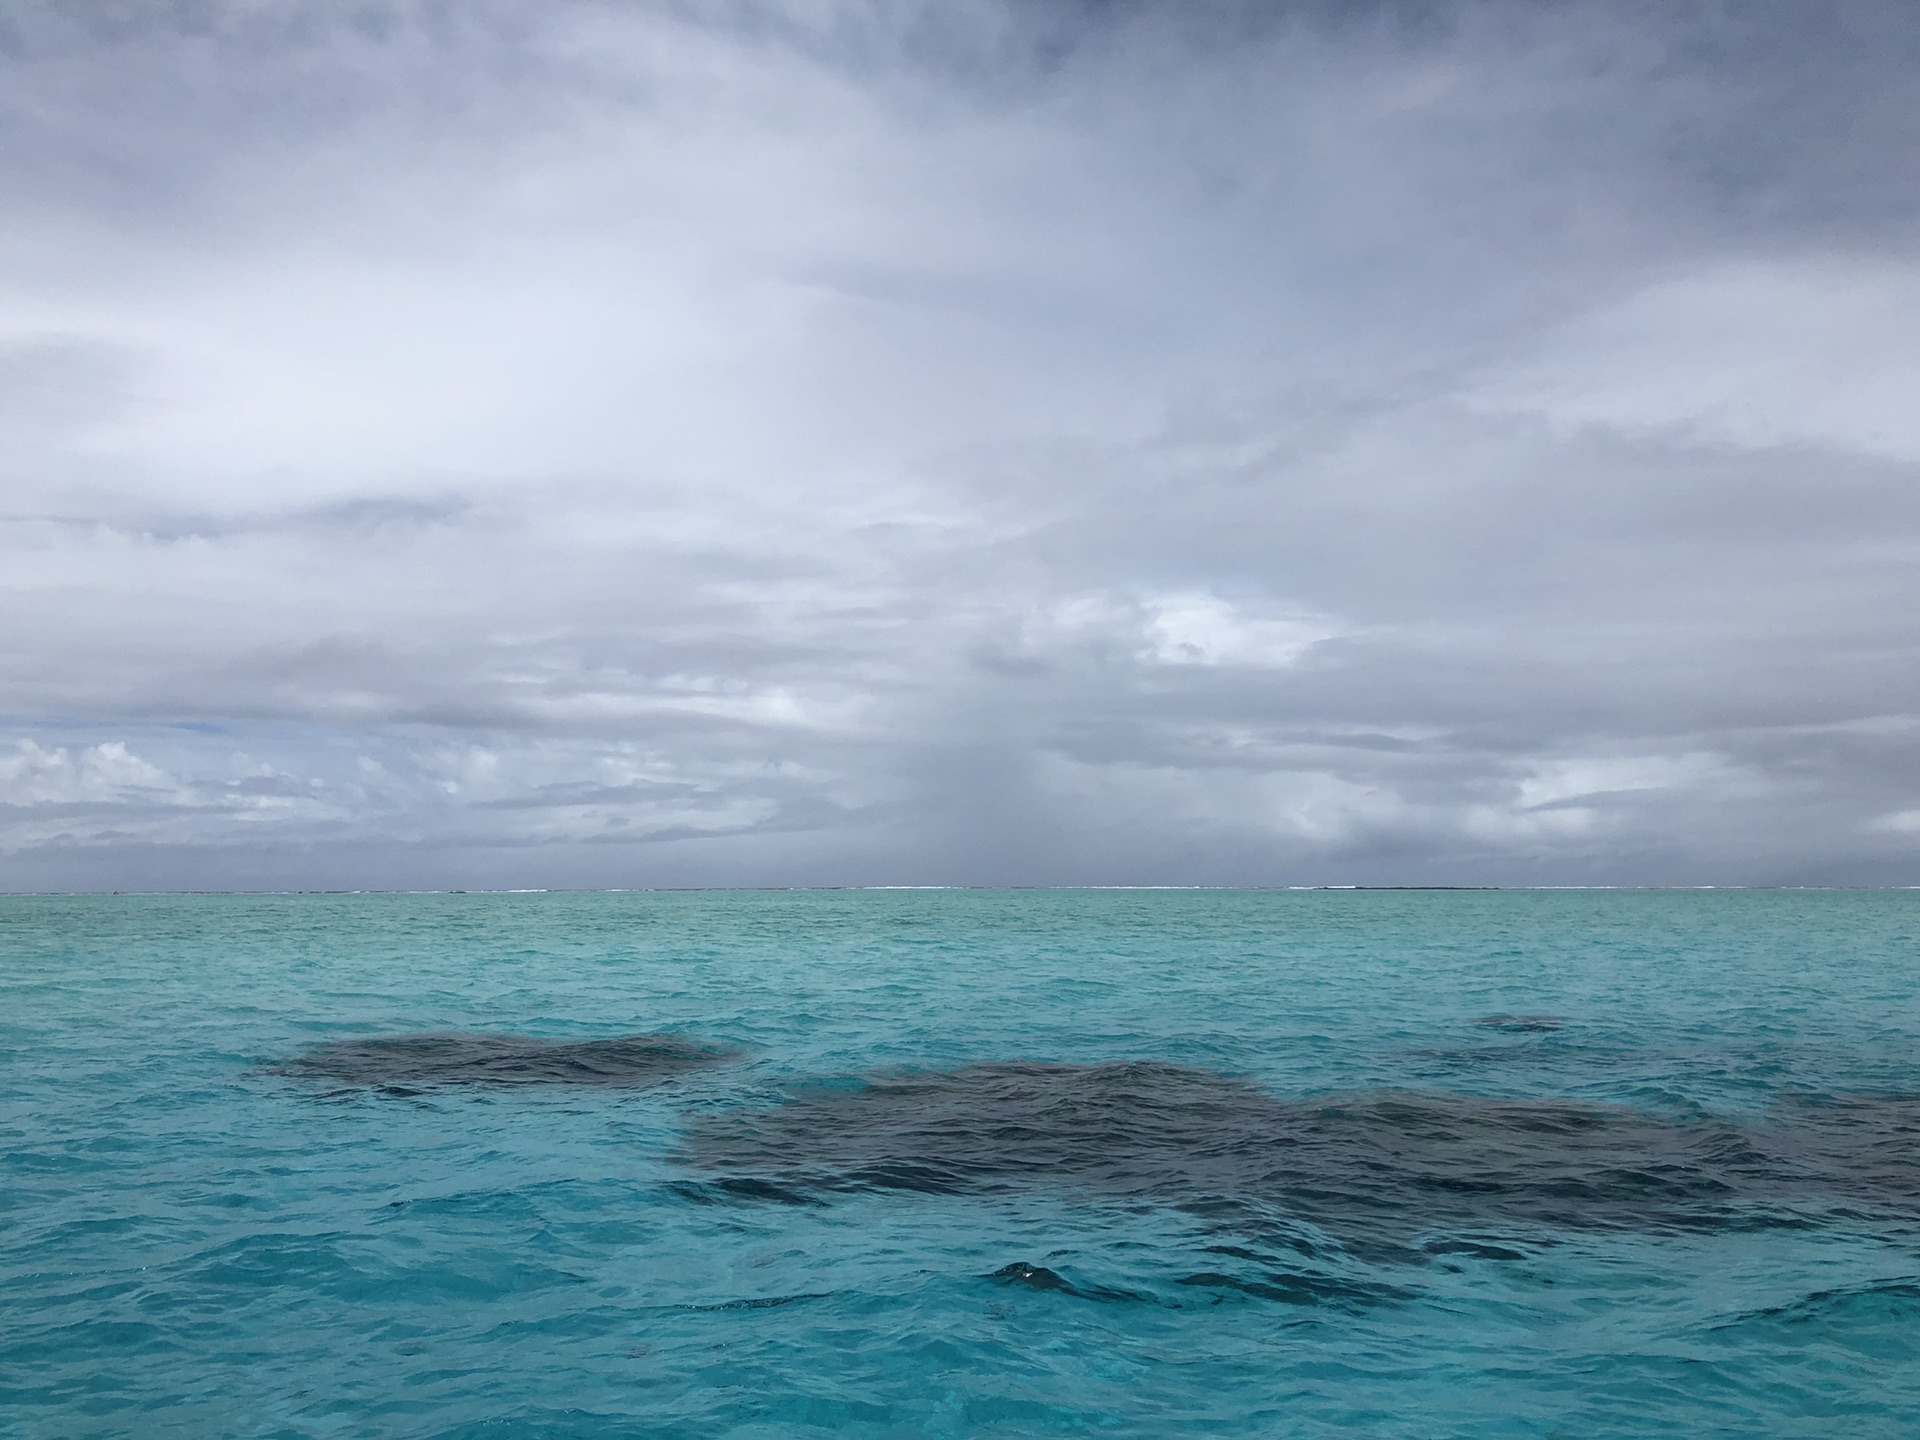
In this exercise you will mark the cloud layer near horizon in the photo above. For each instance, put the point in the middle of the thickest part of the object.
(591, 444)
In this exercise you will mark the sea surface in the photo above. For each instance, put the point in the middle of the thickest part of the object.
(961, 1163)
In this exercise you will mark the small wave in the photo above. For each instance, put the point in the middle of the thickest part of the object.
(756, 1302)
(1886, 1301)
(1288, 1288)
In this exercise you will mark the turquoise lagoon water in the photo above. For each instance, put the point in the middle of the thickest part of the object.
(1132, 1163)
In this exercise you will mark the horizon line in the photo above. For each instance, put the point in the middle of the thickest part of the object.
(1006, 889)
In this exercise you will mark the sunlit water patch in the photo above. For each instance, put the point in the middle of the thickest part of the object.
(957, 1163)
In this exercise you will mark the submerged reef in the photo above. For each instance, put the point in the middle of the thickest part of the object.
(1373, 1166)
(1387, 1170)
(407, 1063)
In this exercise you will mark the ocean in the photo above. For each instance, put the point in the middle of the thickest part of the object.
(1145, 1163)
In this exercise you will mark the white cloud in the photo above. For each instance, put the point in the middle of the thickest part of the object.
(1900, 822)
(36, 775)
(1196, 628)
(1820, 352)
(107, 793)
(1562, 782)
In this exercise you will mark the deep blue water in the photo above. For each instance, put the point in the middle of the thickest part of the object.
(1148, 1163)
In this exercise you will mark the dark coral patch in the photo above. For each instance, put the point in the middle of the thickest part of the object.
(411, 1062)
(1379, 1167)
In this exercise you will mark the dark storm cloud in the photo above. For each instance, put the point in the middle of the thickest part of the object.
(592, 444)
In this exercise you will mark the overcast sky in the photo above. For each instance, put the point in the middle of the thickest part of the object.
(571, 444)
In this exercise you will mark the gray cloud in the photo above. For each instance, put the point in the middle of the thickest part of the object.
(590, 444)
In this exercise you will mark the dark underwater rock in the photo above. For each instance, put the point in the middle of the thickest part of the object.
(409, 1062)
(1021, 1275)
(1365, 1167)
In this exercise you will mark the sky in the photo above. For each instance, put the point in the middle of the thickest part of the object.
(542, 443)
